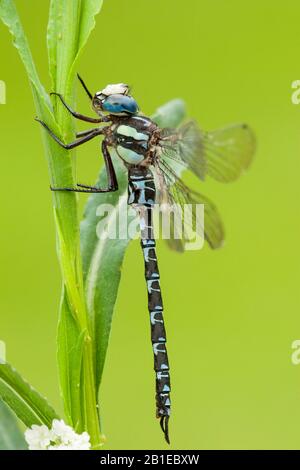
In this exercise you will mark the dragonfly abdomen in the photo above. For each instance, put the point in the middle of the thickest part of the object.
(141, 190)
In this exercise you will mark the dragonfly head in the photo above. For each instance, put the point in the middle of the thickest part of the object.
(115, 99)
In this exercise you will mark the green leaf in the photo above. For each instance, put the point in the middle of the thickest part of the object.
(11, 437)
(170, 114)
(89, 10)
(24, 401)
(103, 258)
(70, 24)
(102, 261)
(69, 356)
(69, 27)
(53, 36)
(62, 40)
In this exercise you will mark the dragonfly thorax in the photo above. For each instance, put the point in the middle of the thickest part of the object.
(134, 140)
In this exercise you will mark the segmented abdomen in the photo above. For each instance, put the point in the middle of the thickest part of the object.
(141, 189)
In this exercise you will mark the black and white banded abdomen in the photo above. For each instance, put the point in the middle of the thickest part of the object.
(141, 194)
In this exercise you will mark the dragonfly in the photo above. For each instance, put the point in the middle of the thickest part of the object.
(150, 155)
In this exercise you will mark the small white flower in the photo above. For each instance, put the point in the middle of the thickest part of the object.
(38, 437)
(59, 437)
(62, 432)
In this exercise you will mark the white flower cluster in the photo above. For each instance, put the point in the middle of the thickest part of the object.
(59, 437)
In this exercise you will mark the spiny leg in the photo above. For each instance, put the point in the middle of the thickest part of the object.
(111, 174)
(80, 116)
(110, 171)
(88, 131)
(76, 143)
(92, 189)
(105, 190)
(86, 136)
(89, 189)
(85, 186)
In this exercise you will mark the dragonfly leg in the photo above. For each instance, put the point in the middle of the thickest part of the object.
(76, 115)
(88, 189)
(111, 175)
(88, 131)
(76, 143)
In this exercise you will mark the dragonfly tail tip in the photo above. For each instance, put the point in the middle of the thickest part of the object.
(164, 424)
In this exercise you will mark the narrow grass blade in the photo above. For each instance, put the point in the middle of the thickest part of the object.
(69, 356)
(23, 399)
(69, 27)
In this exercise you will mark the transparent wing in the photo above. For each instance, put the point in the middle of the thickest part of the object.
(223, 154)
(229, 151)
(173, 191)
(183, 148)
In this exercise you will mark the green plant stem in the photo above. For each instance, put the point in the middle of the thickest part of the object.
(70, 24)
(69, 255)
(65, 40)
(66, 216)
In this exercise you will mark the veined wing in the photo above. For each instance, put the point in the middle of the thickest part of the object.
(229, 151)
(174, 191)
(223, 154)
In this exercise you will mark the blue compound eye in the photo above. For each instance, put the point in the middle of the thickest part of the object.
(120, 104)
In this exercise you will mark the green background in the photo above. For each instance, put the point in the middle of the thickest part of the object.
(231, 314)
